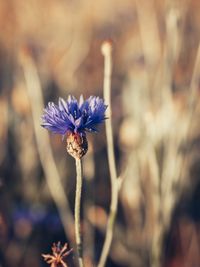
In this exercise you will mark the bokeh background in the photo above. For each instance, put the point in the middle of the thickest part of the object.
(52, 48)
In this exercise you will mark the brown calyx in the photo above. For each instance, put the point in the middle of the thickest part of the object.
(77, 145)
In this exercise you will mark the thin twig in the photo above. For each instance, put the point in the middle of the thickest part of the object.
(192, 107)
(194, 82)
(77, 211)
(43, 144)
(106, 51)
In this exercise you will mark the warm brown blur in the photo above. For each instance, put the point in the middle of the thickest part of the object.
(52, 48)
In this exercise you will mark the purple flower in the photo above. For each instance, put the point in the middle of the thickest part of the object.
(73, 119)
(73, 116)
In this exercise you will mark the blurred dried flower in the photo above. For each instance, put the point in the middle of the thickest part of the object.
(59, 254)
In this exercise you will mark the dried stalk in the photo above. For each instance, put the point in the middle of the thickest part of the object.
(106, 51)
(43, 144)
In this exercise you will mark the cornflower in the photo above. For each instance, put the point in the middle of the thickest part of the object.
(73, 119)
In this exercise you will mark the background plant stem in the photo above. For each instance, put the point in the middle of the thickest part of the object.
(106, 51)
(52, 176)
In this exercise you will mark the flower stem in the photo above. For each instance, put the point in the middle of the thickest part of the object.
(77, 211)
(106, 50)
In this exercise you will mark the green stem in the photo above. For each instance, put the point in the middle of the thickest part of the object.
(77, 211)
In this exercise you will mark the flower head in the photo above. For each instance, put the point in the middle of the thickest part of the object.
(74, 118)
(58, 257)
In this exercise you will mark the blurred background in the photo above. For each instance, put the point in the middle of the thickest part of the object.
(53, 48)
